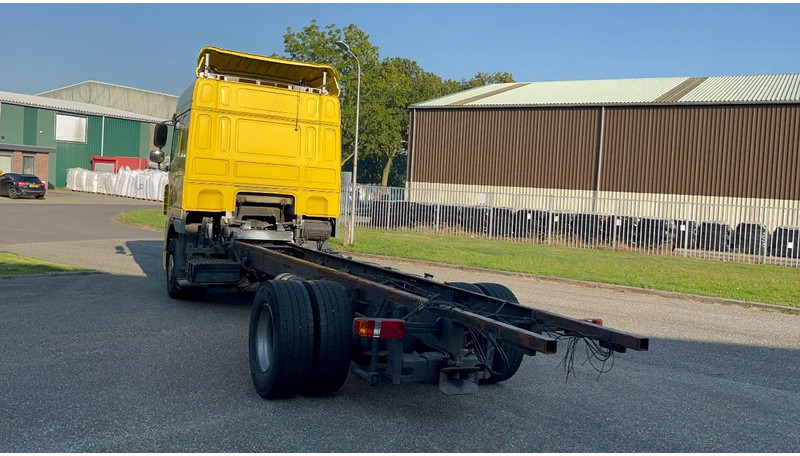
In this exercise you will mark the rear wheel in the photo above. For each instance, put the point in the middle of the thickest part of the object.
(333, 337)
(174, 290)
(12, 192)
(505, 367)
(281, 339)
(38, 197)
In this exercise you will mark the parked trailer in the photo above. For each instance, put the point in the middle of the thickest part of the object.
(253, 197)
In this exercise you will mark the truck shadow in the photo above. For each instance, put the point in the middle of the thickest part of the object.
(148, 255)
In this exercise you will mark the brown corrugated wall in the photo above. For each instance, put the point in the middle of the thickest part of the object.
(543, 148)
(732, 151)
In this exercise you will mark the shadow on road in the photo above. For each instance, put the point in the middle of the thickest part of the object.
(149, 256)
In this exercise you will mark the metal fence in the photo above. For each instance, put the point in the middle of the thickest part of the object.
(746, 234)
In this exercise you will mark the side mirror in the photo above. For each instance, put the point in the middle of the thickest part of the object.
(160, 136)
(157, 156)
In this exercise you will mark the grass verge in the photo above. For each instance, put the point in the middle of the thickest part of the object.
(148, 218)
(747, 282)
(13, 264)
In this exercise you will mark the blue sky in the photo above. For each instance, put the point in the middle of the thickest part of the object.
(155, 46)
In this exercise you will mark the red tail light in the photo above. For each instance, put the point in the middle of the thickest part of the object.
(382, 328)
(22, 184)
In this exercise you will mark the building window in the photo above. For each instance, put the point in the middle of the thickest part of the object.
(70, 128)
(29, 164)
(5, 163)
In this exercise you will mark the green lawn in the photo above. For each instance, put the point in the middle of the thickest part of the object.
(747, 282)
(149, 218)
(13, 264)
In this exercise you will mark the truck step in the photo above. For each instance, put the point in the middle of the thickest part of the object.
(206, 270)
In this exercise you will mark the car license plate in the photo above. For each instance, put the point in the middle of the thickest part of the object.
(34, 186)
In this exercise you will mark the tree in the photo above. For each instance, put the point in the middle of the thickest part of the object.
(318, 45)
(400, 82)
(388, 87)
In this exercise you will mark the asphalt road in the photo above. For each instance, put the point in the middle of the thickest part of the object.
(109, 363)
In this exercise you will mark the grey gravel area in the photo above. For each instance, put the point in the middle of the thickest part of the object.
(109, 363)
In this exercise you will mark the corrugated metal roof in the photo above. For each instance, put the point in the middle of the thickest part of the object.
(73, 106)
(726, 89)
(139, 101)
(459, 97)
(762, 88)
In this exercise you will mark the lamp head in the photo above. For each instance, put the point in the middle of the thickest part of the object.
(343, 46)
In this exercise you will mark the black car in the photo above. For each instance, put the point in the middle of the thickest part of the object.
(15, 185)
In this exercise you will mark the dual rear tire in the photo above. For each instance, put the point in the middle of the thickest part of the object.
(300, 338)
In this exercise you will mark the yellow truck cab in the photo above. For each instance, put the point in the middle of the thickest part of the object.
(256, 155)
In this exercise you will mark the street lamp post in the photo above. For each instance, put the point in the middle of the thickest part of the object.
(350, 234)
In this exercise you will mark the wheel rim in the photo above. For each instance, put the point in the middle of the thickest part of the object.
(264, 338)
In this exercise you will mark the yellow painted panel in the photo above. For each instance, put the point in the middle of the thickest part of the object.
(311, 143)
(202, 134)
(331, 113)
(257, 139)
(268, 101)
(267, 138)
(206, 95)
(317, 205)
(210, 166)
(321, 176)
(224, 134)
(311, 107)
(211, 200)
(331, 145)
(284, 173)
(225, 96)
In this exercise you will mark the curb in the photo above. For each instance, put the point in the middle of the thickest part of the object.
(589, 284)
(52, 274)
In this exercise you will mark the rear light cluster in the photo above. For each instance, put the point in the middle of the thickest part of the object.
(22, 184)
(379, 328)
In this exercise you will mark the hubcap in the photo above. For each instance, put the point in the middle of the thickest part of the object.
(264, 338)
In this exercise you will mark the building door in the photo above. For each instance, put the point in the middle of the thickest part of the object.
(5, 163)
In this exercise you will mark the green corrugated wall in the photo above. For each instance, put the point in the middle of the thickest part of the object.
(36, 127)
(46, 125)
(30, 126)
(77, 155)
(122, 138)
(145, 140)
(12, 118)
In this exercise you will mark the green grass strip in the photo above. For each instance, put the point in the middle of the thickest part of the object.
(747, 282)
(148, 218)
(13, 264)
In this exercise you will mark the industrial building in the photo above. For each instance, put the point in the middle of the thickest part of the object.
(45, 136)
(731, 140)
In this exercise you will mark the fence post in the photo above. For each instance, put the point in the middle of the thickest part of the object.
(438, 208)
(614, 222)
(550, 220)
(346, 211)
(491, 213)
(686, 231)
(765, 218)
